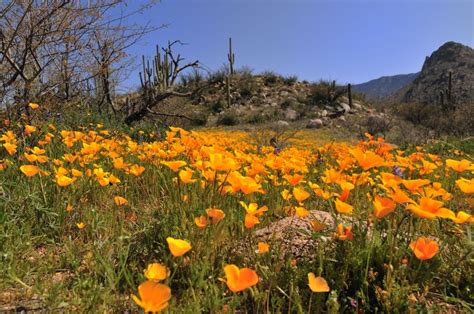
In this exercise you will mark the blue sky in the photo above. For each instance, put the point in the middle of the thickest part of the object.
(346, 40)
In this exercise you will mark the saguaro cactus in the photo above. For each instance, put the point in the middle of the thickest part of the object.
(349, 94)
(231, 57)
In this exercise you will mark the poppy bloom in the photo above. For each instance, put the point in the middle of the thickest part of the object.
(10, 148)
(174, 165)
(344, 233)
(120, 201)
(300, 194)
(383, 206)
(178, 247)
(156, 272)
(215, 215)
(465, 185)
(458, 165)
(343, 207)
(430, 208)
(29, 129)
(64, 180)
(29, 170)
(186, 176)
(239, 279)
(201, 221)
(154, 296)
(33, 105)
(263, 247)
(316, 225)
(317, 284)
(367, 159)
(424, 248)
(81, 225)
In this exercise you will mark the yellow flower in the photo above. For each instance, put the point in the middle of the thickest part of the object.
(154, 296)
(300, 194)
(33, 105)
(120, 201)
(186, 176)
(156, 272)
(174, 165)
(317, 284)
(10, 148)
(64, 180)
(263, 247)
(178, 247)
(383, 206)
(465, 185)
(29, 170)
(239, 279)
(343, 207)
(81, 225)
(29, 129)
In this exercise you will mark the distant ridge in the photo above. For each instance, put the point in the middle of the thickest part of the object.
(384, 86)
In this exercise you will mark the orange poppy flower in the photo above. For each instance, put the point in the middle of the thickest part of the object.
(301, 211)
(465, 185)
(415, 185)
(317, 284)
(317, 226)
(81, 225)
(462, 217)
(178, 247)
(458, 165)
(239, 279)
(300, 194)
(154, 296)
(430, 208)
(29, 170)
(424, 248)
(399, 196)
(367, 159)
(293, 179)
(10, 148)
(344, 233)
(120, 201)
(383, 206)
(33, 105)
(64, 180)
(263, 247)
(186, 176)
(215, 214)
(343, 207)
(201, 221)
(174, 165)
(29, 129)
(156, 272)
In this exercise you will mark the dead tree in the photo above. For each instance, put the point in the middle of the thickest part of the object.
(158, 82)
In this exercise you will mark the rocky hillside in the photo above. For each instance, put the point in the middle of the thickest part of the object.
(385, 85)
(434, 76)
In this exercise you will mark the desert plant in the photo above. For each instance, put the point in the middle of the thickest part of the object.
(290, 80)
(325, 93)
(270, 77)
(228, 118)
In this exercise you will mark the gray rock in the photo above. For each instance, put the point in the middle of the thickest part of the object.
(282, 123)
(314, 124)
(284, 93)
(324, 113)
(345, 107)
(342, 118)
(291, 114)
(356, 105)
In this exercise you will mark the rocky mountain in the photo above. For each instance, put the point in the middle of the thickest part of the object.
(432, 84)
(385, 85)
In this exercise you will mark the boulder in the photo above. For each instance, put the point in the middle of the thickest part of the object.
(314, 124)
(324, 113)
(282, 123)
(345, 107)
(356, 105)
(291, 114)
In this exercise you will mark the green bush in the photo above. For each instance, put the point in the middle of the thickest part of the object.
(228, 119)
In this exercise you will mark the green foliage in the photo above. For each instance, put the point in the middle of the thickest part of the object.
(229, 118)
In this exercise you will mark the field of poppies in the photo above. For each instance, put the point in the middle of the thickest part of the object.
(98, 218)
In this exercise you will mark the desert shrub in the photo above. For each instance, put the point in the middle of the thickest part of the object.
(288, 103)
(377, 125)
(219, 75)
(199, 118)
(244, 72)
(290, 80)
(256, 117)
(218, 106)
(458, 121)
(324, 93)
(229, 118)
(194, 78)
(270, 77)
(247, 88)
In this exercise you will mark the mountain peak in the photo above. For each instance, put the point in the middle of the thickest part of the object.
(433, 79)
